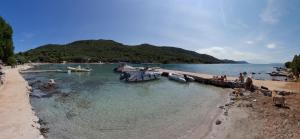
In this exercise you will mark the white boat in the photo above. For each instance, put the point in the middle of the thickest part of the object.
(177, 77)
(189, 78)
(79, 69)
(139, 76)
(124, 68)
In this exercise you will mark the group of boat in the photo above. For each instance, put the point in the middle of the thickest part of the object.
(138, 74)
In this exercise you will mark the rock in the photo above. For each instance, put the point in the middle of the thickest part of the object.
(266, 92)
(264, 103)
(218, 122)
(41, 122)
(249, 105)
(221, 107)
(226, 113)
(263, 87)
(283, 93)
(239, 105)
(51, 82)
(44, 131)
(249, 84)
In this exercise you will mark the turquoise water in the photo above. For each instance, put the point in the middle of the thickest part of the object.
(98, 105)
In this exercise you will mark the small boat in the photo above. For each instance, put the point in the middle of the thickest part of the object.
(139, 76)
(79, 69)
(124, 68)
(189, 78)
(177, 77)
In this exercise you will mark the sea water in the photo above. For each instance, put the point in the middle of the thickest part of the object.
(97, 105)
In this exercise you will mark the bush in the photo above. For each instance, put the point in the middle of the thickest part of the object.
(21, 59)
(11, 61)
(296, 65)
(288, 64)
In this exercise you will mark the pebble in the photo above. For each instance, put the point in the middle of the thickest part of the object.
(226, 113)
(218, 122)
(221, 107)
(249, 105)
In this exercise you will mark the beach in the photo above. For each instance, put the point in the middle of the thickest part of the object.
(18, 120)
(256, 117)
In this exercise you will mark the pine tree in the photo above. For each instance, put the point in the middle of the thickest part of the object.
(6, 42)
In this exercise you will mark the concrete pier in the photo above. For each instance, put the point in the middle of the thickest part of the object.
(40, 71)
(206, 78)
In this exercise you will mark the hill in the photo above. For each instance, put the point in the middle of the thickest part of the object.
(111, 51)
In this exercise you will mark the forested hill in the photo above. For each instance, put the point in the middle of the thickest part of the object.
(111, 51)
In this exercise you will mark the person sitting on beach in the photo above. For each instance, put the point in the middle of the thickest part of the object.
(241, 78)
(225, 78)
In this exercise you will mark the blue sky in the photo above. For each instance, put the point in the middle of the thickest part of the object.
(259, 31)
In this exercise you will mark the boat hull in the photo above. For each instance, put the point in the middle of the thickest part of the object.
(78, 70)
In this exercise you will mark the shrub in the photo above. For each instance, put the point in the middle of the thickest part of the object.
(11, 61)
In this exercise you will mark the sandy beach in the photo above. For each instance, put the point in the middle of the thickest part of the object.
(18, 120)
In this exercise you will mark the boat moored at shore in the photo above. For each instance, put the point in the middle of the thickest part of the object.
(79, 69)
(139, 76)
(177, 77)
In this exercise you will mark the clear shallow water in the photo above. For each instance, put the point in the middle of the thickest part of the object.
(98, 105)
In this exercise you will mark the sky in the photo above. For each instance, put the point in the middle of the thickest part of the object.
(258, 31)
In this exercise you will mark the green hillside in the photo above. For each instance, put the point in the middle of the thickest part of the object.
(111, 51)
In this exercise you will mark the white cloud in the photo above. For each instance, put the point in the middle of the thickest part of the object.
(271, 13)
(249, 42)
(271, 45)
(228, 53)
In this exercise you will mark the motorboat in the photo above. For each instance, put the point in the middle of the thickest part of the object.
(79, 69)
(189, 78)
(124, 68)
(139, 76)
(177, 77)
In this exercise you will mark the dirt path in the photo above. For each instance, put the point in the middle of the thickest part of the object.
(16, 116)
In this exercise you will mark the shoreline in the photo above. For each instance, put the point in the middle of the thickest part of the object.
(18, 120)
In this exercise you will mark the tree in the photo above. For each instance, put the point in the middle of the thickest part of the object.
(288, 64)
(11, 61)
(6, 42)
(20, 58)
(296, 65)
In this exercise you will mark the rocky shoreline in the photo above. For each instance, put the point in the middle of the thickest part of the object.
(254, 115)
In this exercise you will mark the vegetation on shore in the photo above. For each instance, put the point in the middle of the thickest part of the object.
(111, 51)
(294, 65)
(6, 43)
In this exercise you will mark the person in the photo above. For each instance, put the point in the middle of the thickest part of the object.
(225, 78)
(241, 78)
